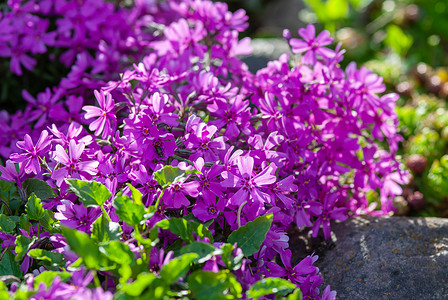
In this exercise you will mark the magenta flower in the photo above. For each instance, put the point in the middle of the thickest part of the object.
(207, 208)
(33, 153)
(329, 212)
(297, 273)
(175, 195)
(70, 165)
(248, 183)
(9, 173)
(107, 120)
(312, 45)
(204, 143)
(76, 216)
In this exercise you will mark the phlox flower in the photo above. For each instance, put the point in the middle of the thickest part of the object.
(175, 195)
(312, 45)
(10, 174)
(76, 216)
(249, 184)
(106, 121)
(298, 273)
(33, 153)
(70, 165)
(329, 211)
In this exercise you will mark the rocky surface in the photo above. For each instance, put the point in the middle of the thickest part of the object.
(387, 258)
(264, 50)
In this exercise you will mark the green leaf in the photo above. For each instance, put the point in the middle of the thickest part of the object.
(5, 186)
(47, 277)
(210, 285)
(7, 225)
(38, 187)
(23, 244)
(203, 250)
(34, 208)
(185, 229)
(118, 252)
(47, 221)
(24, 222)
(127, 210)
(177, 268)
(53, 258)
(104, 230)
(8, 266)
(137, 287)
(232, 262)
(91, 193)
(168, 175)
(85, 247)
(136, 195)
(296, 295)
(178, 226)
(269, 286)
(250, 236)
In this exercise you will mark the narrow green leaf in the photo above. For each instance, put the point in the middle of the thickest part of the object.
(23, 244)
(47, 277)
(177, 268)
(136, 195)
(24, 222)
(85, 247)
(91, 193)
(137, 287)
(296, 295)
(250, 236)
(231, 261)
(7, 225)
(38, 187)
(185, 229)
(127, 210)
(104, 230)
(203, 250)
(168, 175)
(8, 266)
(270, 285)
(210, 285)
(178, 226)
(47, 221)
(47, 256)
(34, 208)
(118, 252)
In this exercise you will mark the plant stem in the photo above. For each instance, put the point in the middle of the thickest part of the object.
(239, 213)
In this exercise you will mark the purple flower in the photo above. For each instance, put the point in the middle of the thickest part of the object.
(33, 153)
(207, 208)
(9, 173)
(175, 195)
(70, 166)
(76, 216)
(298, 273)
(329, 212)
(248, 183)
(106, 121)
(312, 45)
(157, 259)
(234, 116)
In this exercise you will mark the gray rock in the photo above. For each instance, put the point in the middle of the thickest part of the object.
(264, 50)
(387, 258)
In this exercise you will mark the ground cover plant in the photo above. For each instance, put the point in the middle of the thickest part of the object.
(158, 166)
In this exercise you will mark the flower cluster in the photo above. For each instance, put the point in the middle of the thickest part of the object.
(300, 139)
